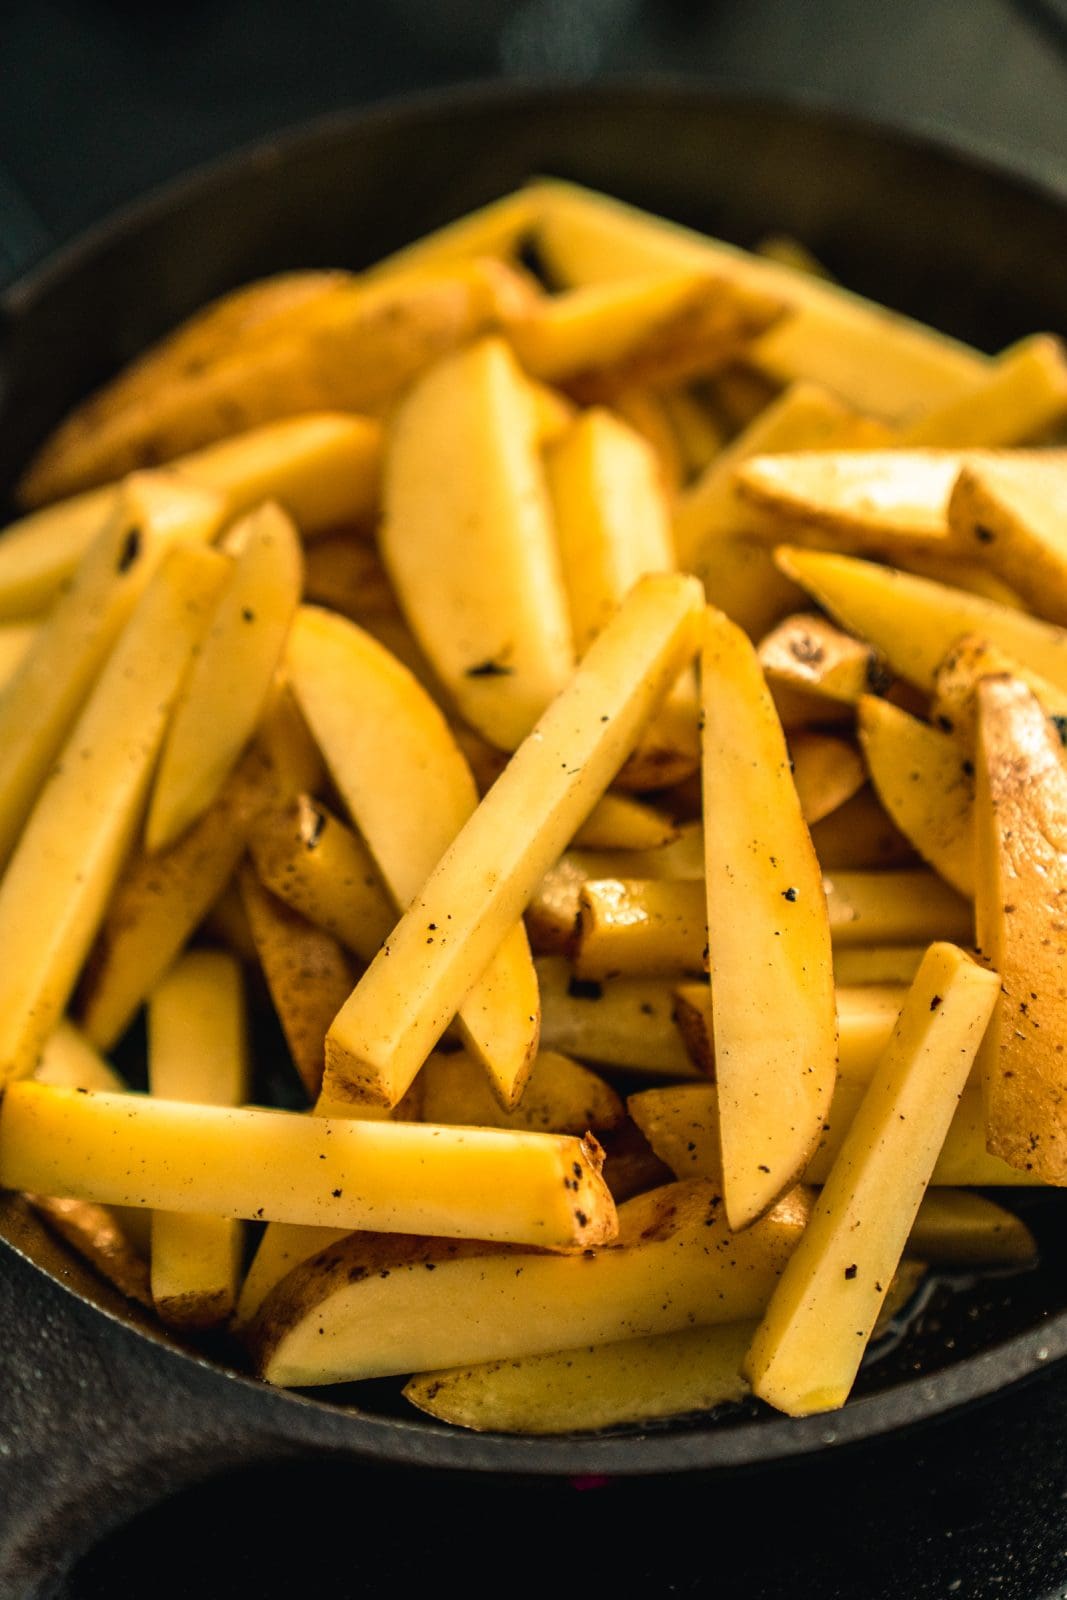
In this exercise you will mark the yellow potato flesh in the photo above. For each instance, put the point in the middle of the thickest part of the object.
(878, 361)
(597, 1386)
(561, 1096)
(197, 1051)
(675, 1265)
(228, 685)
(55, 891)
(1023, 395)
(914, 622)
(827, 771)
(808, 1347)
(1020, 887)
(483, 1183)
(623, 1023)
(768, 935)
(611, 517)
(808, 653)
(39, 704)
(954, 707)
(468, 541)
(926, 783)
(408, 788)
(317, 865)
(482, 883)
(964, 1229)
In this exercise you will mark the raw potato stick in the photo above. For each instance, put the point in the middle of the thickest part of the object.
(58, 882)
(392, 1177)
(413, 987)
(39, 705)
(197, 1051)
(809, 1345)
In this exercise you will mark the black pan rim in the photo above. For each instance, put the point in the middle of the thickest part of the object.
(299, 1418)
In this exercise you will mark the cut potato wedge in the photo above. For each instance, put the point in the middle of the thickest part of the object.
(866, 1017)
(768, 935)
(353, 349)
(308, 974)
(468, 541)
(809, 1345)
(409, 790)
(55, 891)
(225, 692)
(319, 867)
(413, 987)
(827, 772)
(926, 784)
(964, 1229)
(1020, 889)
(908, 907)
(806, 653)
(40, 703)
(1010, 511)
(342, 1172)
(497, 229)
(159, 901)
(597, 1386)
(674, 1265)
(914, 622)
(954, 708)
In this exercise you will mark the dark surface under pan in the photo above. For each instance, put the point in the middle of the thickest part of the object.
(102, 1413)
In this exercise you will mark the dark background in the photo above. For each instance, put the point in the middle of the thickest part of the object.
(99, 102)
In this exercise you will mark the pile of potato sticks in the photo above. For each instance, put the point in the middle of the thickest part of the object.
(613, 707)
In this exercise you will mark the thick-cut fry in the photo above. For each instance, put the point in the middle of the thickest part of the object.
(482, 1183)
(674, 1265)
(1023, 396)
(40, 703)
(55, 891)
(228, 685)
(907, 907)
(914, 622)
(661, 329)
(159, 901)
(413, 987)
(560, 1097)
(626, 929)
(926, 783)
(308, 974)
(354, 349)
(808, 1347)
(15, 641)
(768, 935)
(876, 964)
(468, 541)
(1020, 890)
(877, 360)
(197, 1051)
(409, 790)
(317, 865)
(646, 412)
(1010, 511)
(598, 1386)
(623, 1022)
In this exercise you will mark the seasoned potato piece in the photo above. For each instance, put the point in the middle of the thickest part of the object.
(1010, 510)
(561, 1096)
(926, 783)
(1023, 397)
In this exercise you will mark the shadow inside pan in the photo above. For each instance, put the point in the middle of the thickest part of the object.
(939, 234)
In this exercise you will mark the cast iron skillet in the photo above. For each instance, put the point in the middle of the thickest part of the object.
(104, 1411)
